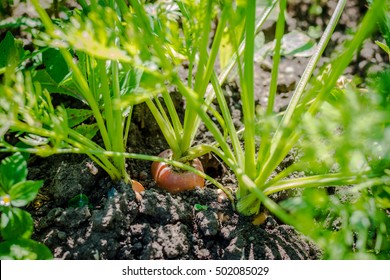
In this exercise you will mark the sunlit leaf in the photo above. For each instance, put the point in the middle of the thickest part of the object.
(11, 50)
(47, 82)
(24, 192)
(77, 116)
(87, 130)
(24, 249)
(55, 64)
(13, 169)
(16, 223)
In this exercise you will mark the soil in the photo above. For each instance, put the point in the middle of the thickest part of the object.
(120, 224)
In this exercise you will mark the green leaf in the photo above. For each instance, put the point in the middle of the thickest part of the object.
(383, 47)
(10, 51)
(48, 83)
(79, 200)
(16, 223)
(200, 207)
(131, 80)
(55, 64)
(382, 196)
(23, 145)
(87, 130)
(13, 169)
(24, 249)
(24, 192)
(77, 116)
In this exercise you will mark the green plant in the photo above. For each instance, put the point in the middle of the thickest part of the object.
(342, 138)
(16, 224)
(132, 54)
(178, 31)
(96, 79)
(116, 68)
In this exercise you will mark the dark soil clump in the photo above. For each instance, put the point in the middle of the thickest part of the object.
(159, 225)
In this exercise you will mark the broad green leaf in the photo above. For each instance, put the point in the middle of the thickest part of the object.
(23, 145)
(131, 80)
(13, 169)
(24, 249)
(55, 64)
(10, 50)
(77, 116)
(16, 223)
(24, 192)
(48, 83)
(87, 130)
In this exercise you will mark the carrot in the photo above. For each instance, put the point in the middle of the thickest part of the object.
(173, 180)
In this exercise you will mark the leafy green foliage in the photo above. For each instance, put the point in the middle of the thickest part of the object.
(24, 249)
(114, 55)
(55, 64)
(13, 170)
(350, 114)
(24, 192)
(11, 51)
(16, 225)
(347, 225)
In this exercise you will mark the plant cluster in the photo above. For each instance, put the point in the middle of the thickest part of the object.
(112, 55)
(16, 224)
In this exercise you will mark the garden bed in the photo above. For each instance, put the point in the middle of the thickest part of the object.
(118, 223)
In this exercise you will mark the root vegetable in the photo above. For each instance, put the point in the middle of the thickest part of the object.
(175, 181)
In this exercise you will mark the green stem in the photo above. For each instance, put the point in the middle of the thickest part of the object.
(77, 75)
(265, 200)
(106, 94)
(107, 154)
(76, 140)
(266, 138)
(336, 179)
(127, 126)
(203, 53)
(210, 93)
(235, 57)
(165, 127)
(177, 127)
(191, 119)
(277, 54)
(117, 138)
(79, 141)
(277, 150)
(247, 96)
(190, 96)
(228, 120)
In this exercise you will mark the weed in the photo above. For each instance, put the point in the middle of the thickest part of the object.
(16, 224)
